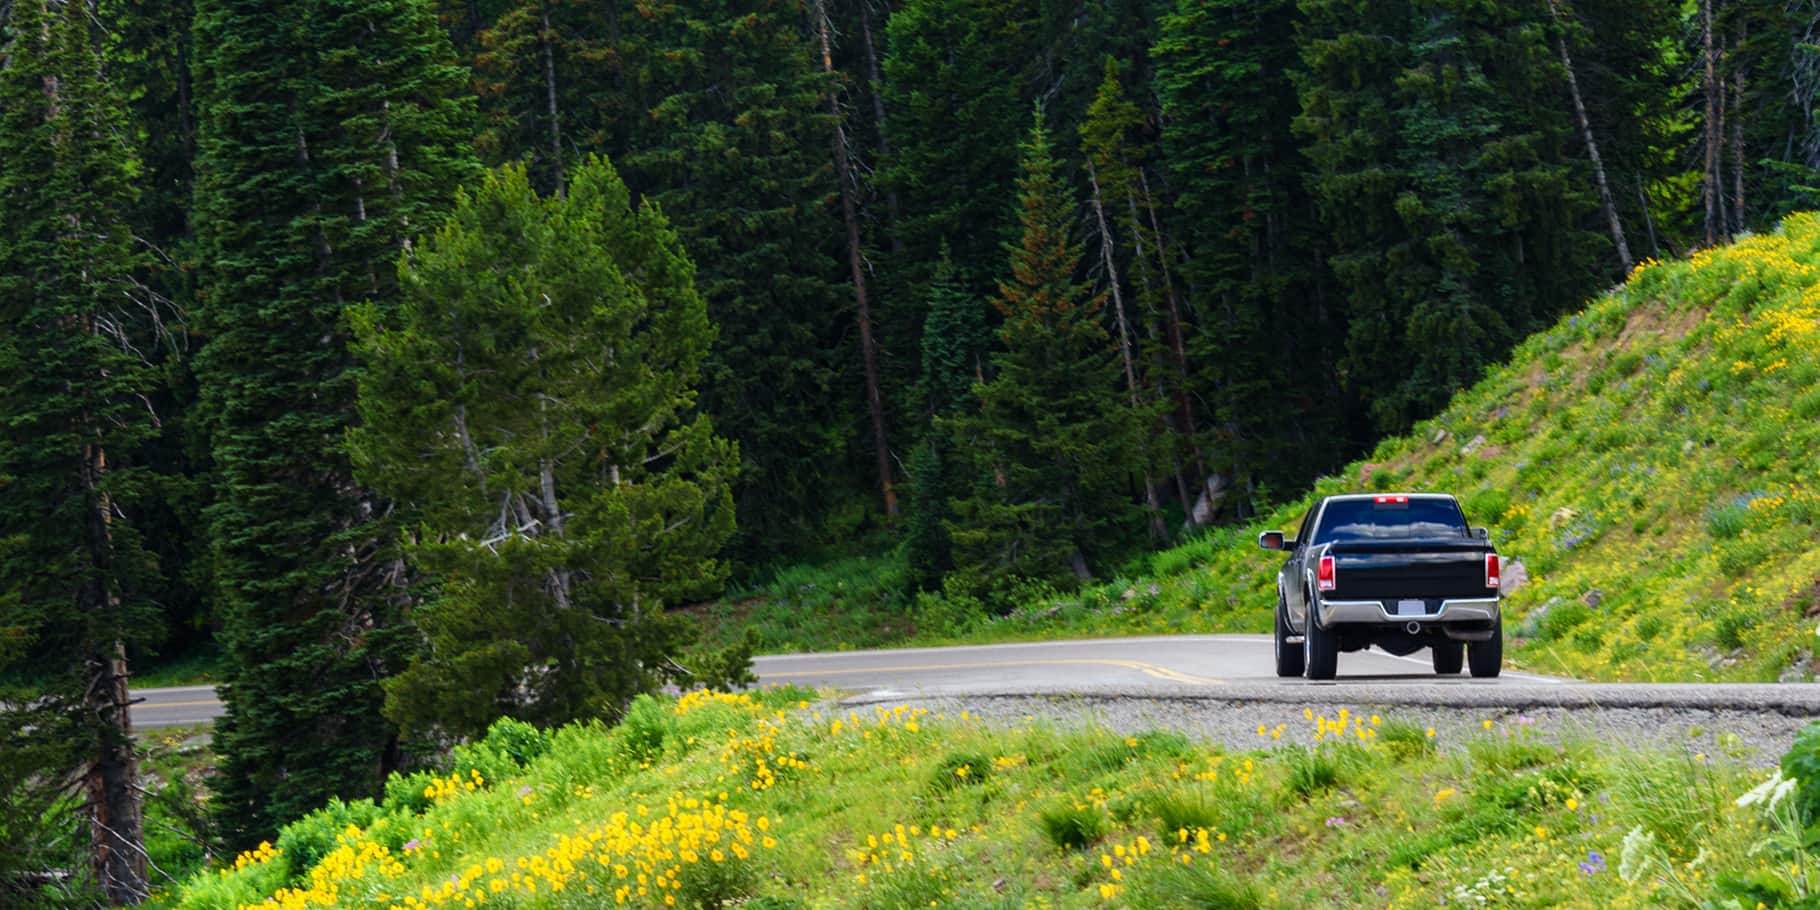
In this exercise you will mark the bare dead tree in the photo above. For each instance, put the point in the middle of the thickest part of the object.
(1709, 175)
(862, 307)
(1157, 529)
(1592, 145)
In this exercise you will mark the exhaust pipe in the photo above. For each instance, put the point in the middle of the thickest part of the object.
(1414, 628)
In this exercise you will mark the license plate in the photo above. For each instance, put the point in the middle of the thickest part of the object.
(1412, 607)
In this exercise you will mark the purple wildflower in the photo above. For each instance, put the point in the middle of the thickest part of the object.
(1335, 821)
(1593, 865)
(411, 844)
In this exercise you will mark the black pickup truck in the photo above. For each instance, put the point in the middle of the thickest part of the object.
(1402, 571)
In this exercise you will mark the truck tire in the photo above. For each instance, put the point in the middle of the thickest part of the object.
(1448, 656)
(1289, 657)
(1486, 658)
(1320, 649)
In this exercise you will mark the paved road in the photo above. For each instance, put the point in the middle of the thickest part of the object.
(1163, 663)
(1169, 663)
(1213, 669)
(177, 706)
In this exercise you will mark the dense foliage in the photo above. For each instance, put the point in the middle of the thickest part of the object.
(74, 576)
(527, 406)
(1265, 234)
(329, 134)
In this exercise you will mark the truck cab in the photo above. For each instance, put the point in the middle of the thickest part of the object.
(1403, 571)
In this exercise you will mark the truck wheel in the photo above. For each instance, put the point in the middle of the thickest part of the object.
(1289, 657)
(1448, 657)
(1486, 658)
(1320, 649)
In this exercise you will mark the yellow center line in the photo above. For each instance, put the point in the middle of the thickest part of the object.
(1145, 668)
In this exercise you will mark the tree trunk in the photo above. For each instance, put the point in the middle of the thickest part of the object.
(1157, 529)
(1649, 221)
(116, 823)
(1172, 331)
(868, 356)
(1737, 119)
(546, 41)
(878, 116)
(1709, 177)
(1592, 146)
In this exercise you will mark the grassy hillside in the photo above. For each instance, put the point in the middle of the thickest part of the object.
(762, 801)
(1653, 461)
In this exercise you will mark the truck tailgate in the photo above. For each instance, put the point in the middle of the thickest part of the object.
(1425, 569)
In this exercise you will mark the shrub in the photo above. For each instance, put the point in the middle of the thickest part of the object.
(1186, 810)
(1563, 618)
(1726, 522)
(304, 842)
(948, 614)
(960, 769)
(405, 792)
(1739, 557)
(1802, 763)
(1202, 886)
(1405, 740)
(642, 732)
(1731, 625)
(1071, 826)
(1311, 771)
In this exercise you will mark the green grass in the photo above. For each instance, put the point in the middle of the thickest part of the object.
(1652, 461)
(173, 770)
(194, 667)
(770, 800)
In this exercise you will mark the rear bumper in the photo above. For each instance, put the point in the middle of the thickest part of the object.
(1478, 610)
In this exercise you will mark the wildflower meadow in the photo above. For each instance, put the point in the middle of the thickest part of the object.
(774, 799)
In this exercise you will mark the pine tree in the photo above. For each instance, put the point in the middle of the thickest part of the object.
(733, 146)
(1152, 333)
(531, 62)
(955, 345)
(1054, 445)
(956, 80)
(528, 403)
(1439, 136)
(1257, 284)
(147, 44)
(330, 131)
(73, 384)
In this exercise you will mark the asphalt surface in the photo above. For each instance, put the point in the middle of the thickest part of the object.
(1213, 672)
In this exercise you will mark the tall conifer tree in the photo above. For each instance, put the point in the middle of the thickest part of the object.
(955, 345)
(330, 132)
(73, 387)
(1439, 135)
(1055, 443)
(1258, 287)
(732, 143)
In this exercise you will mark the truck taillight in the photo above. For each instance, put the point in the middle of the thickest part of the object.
(1491, 570)
(1382, 500)
(1323, 577)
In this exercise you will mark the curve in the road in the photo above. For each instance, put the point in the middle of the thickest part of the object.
(1164, 667)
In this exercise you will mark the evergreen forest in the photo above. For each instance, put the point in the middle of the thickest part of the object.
(422, 358)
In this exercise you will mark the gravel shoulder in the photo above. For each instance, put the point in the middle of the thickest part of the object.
(1752, 724)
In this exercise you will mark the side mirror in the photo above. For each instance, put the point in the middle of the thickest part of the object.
(1272, 540)
(1479, 533)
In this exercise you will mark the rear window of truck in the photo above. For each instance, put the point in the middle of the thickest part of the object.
(1391, 518)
